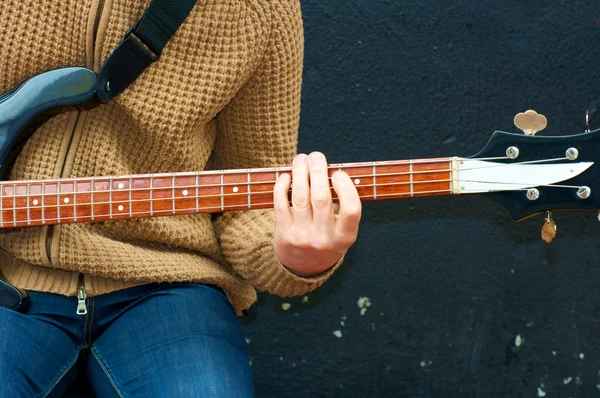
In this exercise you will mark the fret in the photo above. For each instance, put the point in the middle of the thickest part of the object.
(43, 207)
(110, 198)
(374, 181)
(410, 174)
(58, 202)
(92, 189)
(1, 205)
(74, 200)
(130, 201)
(197, 195)
(15, 204)
(173, 192)
(28, 208)
(151, 196)
(249, 182)
(222, 193)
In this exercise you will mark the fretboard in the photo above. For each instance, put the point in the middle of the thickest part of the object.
(48, 202)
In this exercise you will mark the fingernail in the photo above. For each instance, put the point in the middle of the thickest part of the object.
(300, 159)
(338, 175)
(316, 157)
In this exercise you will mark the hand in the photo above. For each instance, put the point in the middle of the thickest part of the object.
(309, 236)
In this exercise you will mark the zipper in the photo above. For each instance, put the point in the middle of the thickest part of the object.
(97, 22)
(50, 229)
(81, 292)
(81, 297)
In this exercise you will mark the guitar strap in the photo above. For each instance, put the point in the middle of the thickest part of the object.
(142, 46)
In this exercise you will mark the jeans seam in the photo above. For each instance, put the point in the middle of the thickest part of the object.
(89, 337)
(85, 328)
(62, 374)
(96, 355)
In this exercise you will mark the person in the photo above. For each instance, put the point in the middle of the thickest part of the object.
(147, 307)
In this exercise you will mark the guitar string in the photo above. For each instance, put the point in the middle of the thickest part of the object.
(48, 207)
(245, 194)
(105, 217)
(191, 210)
(216, 173)
(84, 181)
(125, 178)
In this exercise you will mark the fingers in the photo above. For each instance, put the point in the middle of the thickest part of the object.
(302, 214)
(283, 213)
(320, 192)
(313, 214)
(350, 207)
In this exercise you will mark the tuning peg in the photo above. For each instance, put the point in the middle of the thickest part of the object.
(530, 122)
(549, 228)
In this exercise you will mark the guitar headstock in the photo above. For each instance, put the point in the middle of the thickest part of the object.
(570, 162)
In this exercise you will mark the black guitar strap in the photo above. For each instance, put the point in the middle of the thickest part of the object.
(142, 46)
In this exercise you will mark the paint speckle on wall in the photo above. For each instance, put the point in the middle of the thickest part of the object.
(363, 303)
(518, 340)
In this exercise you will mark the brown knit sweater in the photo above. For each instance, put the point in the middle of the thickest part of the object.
(224, 94)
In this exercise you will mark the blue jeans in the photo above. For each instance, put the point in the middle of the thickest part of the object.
(157, 340)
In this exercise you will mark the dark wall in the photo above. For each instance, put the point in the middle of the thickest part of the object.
(452, 281)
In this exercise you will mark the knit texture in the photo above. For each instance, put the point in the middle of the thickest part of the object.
(224, 94)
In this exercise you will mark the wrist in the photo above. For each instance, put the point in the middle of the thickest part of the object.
(307, 271)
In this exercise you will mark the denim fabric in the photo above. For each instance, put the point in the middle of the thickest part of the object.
(158, 340)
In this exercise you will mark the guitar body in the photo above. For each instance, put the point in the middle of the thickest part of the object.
(50, 90)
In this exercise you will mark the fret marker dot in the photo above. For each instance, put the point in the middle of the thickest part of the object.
(66, 200)
(235, 189)
(357, 181)
(35, 202)
(120, 207)
(121, 185)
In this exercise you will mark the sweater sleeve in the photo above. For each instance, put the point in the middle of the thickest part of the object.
(259, 128)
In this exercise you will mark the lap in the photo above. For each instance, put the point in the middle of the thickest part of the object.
(36, 356)
(179, 341)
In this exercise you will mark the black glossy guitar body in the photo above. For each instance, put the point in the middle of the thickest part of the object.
(50, 90)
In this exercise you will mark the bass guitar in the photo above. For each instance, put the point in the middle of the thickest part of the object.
(527, 174)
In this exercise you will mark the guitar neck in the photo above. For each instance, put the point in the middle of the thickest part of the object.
(49, 202)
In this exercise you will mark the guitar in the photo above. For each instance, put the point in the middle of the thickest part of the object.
(527, 174)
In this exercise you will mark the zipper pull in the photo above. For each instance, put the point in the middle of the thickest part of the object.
(81, 296)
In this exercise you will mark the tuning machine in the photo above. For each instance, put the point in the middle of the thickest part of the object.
(549, 228)
(530, 122)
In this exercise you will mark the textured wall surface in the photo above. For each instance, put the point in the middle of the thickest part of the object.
(463, 301)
